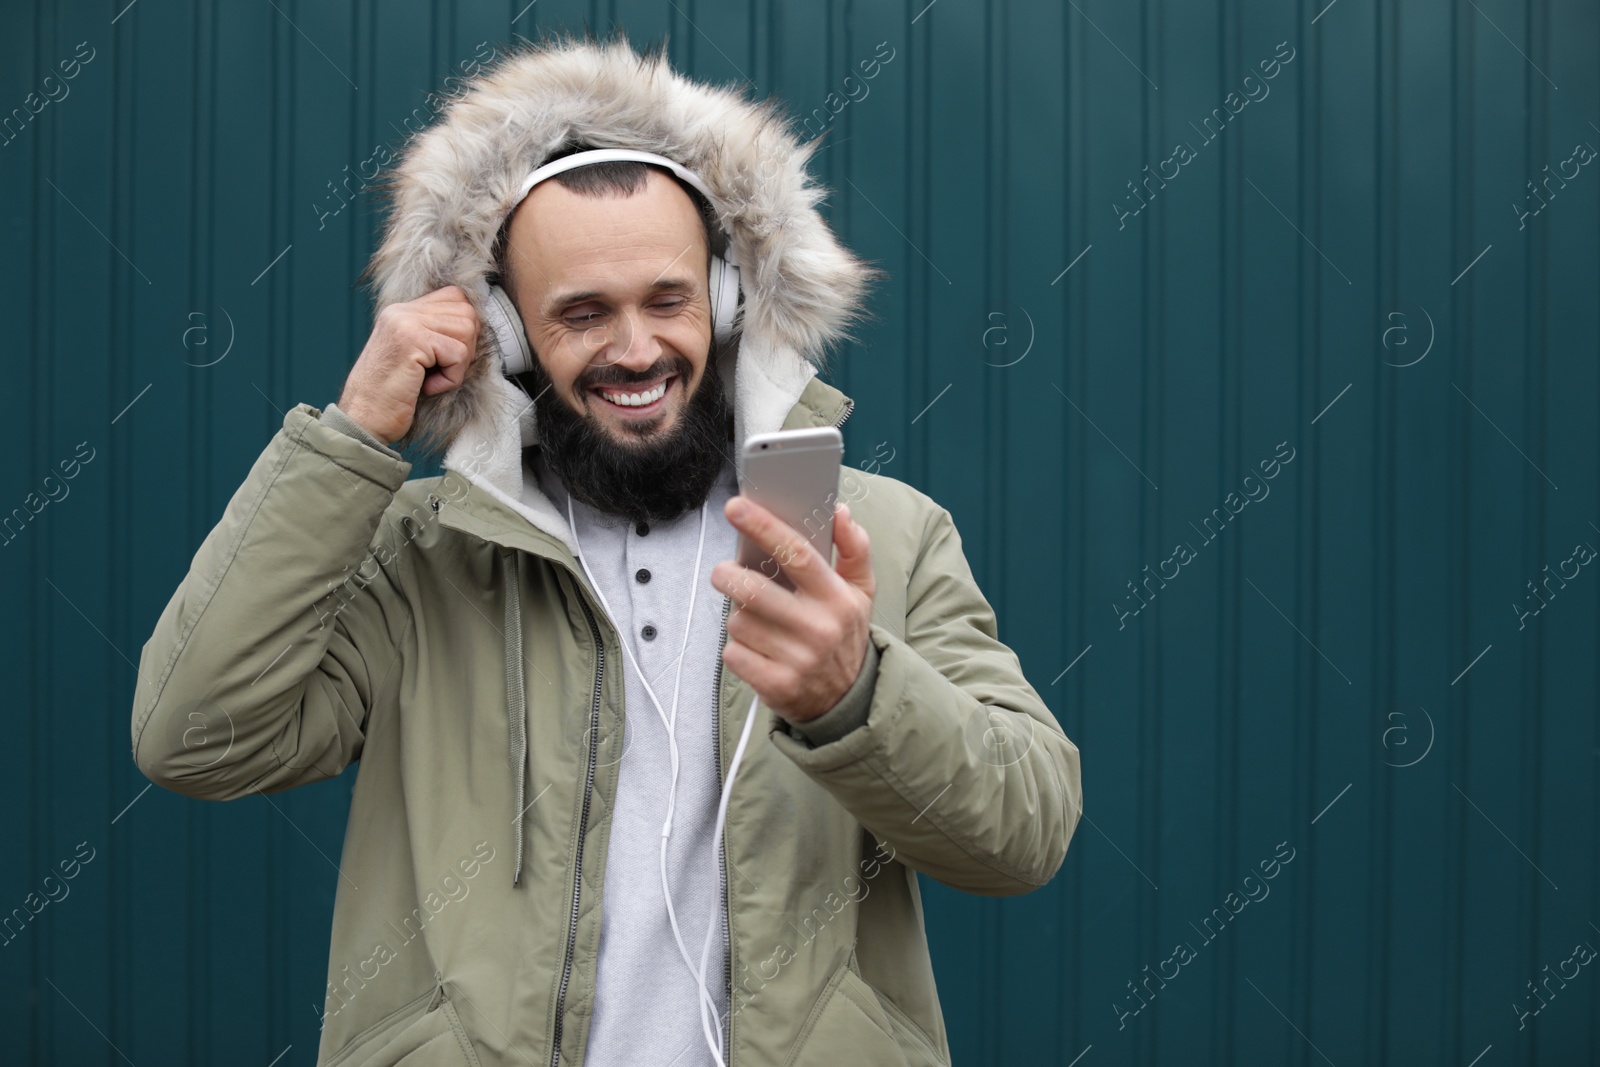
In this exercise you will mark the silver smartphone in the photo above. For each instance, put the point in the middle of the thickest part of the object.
(795, 475)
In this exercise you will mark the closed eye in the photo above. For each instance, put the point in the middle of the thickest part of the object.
(588, 318)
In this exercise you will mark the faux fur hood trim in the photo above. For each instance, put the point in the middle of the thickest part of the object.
(454, 185)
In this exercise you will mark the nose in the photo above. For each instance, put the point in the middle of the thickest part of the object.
(626, 341)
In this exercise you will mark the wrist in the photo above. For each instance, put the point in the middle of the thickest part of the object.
(356, 413)
(850, 712)
(335, 416)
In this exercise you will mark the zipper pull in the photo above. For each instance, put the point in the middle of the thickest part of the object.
(438, 990)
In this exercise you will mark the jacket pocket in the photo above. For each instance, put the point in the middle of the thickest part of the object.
(847, 1026)
(915, 1044)
(425, 1032)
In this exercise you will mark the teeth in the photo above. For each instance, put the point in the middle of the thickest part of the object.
(635, 400)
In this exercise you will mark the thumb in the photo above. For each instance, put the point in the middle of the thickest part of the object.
(854, 551)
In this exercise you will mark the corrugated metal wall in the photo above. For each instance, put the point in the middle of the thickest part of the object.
(1142, 255)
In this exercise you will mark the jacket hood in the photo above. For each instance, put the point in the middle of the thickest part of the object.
(455, 184)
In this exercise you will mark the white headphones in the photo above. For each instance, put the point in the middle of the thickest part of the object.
(505, 325)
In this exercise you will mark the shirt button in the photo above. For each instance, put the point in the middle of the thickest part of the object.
(648, 633)
(642, 529)
(643, 575)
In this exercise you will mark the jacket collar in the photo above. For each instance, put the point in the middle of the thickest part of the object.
(504, 504)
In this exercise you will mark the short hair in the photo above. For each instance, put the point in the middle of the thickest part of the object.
(612, 178)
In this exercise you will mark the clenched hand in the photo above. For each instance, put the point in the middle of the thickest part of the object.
(417, 348)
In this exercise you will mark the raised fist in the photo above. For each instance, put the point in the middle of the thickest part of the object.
(417, 348)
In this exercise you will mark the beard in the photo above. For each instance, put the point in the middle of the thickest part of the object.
(653, 478)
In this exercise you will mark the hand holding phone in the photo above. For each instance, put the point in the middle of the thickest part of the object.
(799, 655)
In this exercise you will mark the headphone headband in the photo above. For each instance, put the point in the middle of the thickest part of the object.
(610, 155)
(623, 155)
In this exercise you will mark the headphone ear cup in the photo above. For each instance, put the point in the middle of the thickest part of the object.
(724, 298)
(713, 293)
(506, 332)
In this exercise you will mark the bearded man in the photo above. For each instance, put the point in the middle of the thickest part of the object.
(543, 863)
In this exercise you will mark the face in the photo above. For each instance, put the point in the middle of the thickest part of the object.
(630, 408)
(613, 295)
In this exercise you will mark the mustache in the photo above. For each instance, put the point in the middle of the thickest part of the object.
(620, 376)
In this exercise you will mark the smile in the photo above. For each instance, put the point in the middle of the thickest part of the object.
(641, 402)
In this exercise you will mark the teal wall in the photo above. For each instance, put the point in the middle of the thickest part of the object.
(1350, 668)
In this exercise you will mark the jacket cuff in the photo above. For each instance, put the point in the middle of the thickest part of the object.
(333, 416)
(845, 716)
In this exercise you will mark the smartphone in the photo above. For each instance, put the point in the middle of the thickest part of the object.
(795, 475)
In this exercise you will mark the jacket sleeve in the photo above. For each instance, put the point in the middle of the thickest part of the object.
(959, 764)
(266, 661)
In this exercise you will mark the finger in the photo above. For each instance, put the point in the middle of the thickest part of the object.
(460, 323)
(756, 592)
(776, 641)
(453, 309)
(798, 558)
(776, 622)
(449, 368)
(435, 382)
(854, 562)
(464, 330)
(761, 673)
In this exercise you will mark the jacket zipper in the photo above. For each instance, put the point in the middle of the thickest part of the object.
(438, 990)
(722, 851)
(583, 824)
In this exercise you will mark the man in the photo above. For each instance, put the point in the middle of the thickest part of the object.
(500, 646)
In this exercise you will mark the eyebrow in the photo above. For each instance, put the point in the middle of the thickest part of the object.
(682, 286)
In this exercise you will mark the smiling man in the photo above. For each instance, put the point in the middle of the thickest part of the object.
(631, 410)
(545, 659)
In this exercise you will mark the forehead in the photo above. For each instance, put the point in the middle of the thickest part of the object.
(561, 239)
